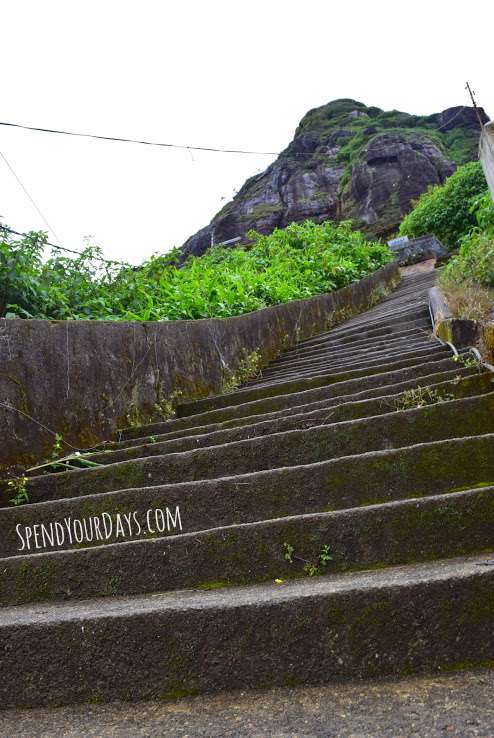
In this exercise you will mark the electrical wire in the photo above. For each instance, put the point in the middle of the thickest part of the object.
(28, 195)
(45, 220)
(137, 141)
(188, 147)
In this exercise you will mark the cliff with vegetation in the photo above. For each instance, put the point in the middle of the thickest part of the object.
(349, 161)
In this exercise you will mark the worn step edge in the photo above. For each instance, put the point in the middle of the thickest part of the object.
(399, 620)
(391, 320)
(330, 438)
(393, 309)
(454, 418)
(337, 355)
(349, 344)
(367, 356)
(297, 421)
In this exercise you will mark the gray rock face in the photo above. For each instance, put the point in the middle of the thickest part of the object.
(348, 160)
(393, 170)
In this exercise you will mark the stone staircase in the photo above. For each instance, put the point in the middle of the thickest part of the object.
(365, 455)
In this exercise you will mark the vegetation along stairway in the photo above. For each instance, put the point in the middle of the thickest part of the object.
(365, 455)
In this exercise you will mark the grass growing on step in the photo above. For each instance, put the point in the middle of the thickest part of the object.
(421, 397)
(469, 361)
(248, 368)
(468, 300)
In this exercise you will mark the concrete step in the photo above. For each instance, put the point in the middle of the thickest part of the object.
(302, 417)
(298, 362)
(456, 418)
(439, 526)
(364, 360)
(324, 416)
(178, 427)
(347, 347)
(324, 440)
(374, 477)
(426, 616)
(285, 394)
(369, 349)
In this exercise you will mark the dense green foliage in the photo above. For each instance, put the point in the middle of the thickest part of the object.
(475, 260)
(299, 261)
(447, 210)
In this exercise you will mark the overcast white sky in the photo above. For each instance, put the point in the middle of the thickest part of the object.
(230, 74)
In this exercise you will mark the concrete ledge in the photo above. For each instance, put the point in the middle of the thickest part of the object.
(461, 333)
(84, 379)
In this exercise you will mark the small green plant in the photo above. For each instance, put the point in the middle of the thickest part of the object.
(18, 489)
(421, 397)
(166, 407)
(288, 552)
(152, 439)
(73, 461)
(325, 556)
(311, 568)
(57, 446)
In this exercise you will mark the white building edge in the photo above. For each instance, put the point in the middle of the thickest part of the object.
(486, 154)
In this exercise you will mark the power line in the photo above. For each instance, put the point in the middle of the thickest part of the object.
(44, 219)
(137, 141)
(28, 195)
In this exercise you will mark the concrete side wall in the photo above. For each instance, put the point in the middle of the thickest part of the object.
(486, 153)
(84, 379)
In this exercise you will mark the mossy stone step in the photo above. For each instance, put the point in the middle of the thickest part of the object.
(402, 426)
(178, 427)
(457, 418)
(321, 413)
(367, 360)
(418, 341)
(441, 526)
(246, 402)
(353, 342)
(352, 481)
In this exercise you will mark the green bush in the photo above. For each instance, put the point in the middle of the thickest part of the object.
(299, 261)
(446, 210)
(475, 260)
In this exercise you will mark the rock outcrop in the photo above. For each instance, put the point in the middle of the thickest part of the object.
(348, 161)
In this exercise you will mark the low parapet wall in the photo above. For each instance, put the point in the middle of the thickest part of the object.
(84, 379)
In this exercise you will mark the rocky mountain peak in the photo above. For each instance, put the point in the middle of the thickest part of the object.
(348, 161)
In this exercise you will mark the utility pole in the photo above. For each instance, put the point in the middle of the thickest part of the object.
(472, 97)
